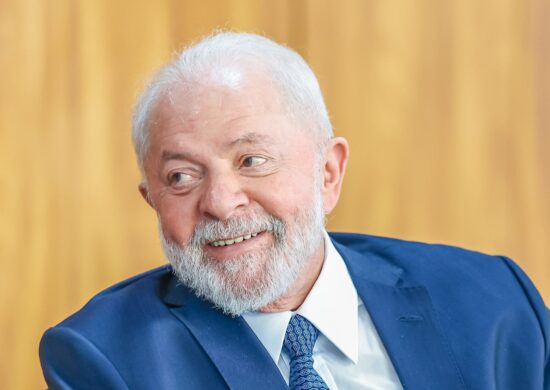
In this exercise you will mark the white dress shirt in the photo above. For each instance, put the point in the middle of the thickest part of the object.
(348, 353)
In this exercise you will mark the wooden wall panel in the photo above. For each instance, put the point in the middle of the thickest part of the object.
(445, 105)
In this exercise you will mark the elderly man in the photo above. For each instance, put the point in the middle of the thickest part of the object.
(241, 166)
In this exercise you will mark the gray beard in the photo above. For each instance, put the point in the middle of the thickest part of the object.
(253, 280)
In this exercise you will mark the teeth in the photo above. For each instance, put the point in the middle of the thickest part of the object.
(233, 240)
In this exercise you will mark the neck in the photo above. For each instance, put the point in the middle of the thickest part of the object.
(298, 292)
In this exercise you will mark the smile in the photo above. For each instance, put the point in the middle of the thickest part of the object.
(232, 241)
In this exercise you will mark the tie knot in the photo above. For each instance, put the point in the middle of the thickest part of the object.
(300, 337)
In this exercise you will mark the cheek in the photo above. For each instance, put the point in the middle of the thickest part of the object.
(284, 198)
(176, 220)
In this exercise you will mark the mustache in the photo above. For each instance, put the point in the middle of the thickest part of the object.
(213, 230)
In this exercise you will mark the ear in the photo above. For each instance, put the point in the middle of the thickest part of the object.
(144, 191)
(336, 160)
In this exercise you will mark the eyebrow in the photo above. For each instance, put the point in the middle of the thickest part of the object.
(248, 138)
(170, 155)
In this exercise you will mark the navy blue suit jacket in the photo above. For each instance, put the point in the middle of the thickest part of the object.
(449, 319)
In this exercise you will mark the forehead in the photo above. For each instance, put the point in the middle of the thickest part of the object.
(211, 107)
(220, 91)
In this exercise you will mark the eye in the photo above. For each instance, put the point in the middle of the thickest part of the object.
(252, 161)
(179, 179)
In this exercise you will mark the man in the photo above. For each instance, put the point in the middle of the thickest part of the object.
(241, 166)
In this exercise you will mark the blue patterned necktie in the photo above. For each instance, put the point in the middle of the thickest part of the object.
(299, 341)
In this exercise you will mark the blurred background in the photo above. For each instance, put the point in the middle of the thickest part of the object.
(445, 104)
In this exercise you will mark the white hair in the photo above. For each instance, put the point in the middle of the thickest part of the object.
(289, 72)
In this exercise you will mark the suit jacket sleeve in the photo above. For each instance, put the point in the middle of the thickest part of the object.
(70, 361)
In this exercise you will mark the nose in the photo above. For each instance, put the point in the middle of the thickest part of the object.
(223, 196)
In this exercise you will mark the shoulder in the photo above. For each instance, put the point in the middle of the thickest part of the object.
(121, 339)
(460, 282)
(125, 301)
(440, 266)
(91, 346)
(395, 247)
(422, 260)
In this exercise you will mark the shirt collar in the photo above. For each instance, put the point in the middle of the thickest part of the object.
(331, 306)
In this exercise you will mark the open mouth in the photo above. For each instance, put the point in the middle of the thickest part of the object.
(232, 241)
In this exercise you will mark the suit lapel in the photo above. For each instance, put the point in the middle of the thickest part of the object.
(404, 318)
(229, 342)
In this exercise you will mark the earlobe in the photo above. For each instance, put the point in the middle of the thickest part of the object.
(145, 193)
(336, 159)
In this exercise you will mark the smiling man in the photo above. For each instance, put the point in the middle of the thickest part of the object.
(240, 164)
(221, 149)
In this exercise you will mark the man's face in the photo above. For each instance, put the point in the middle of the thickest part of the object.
(236, 186)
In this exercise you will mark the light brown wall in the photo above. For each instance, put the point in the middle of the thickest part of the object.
(445, 103)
